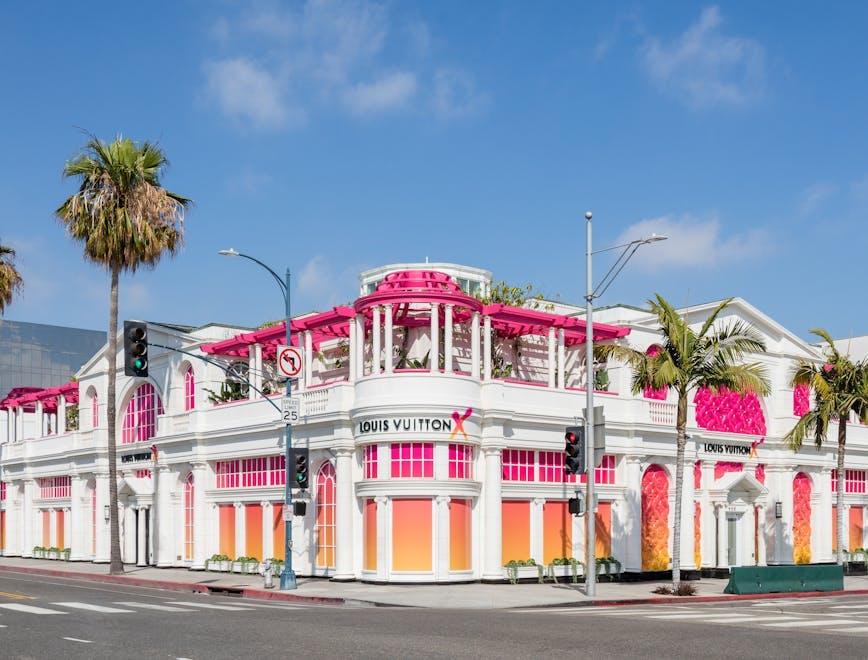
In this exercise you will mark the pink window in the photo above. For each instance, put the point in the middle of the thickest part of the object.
(94, 410)
(605, 473)
(370, 461)
(725, 467)
(2, 490)
(460, 461)
(412, 459)
(518, 465)
(801, 399)
(325, 516)
(188, 517)
(143, 474)
(189, 389)
(140, 420)
(854, 481)
(54, 487)
(760, 473)
(251, 472)
(650, 392)
(551, 468)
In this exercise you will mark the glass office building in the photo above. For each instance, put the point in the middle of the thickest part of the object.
(37, 355)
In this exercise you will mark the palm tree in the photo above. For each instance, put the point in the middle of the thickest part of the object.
(10, 278)
(690, 360)
(840, 387)
(125, 220)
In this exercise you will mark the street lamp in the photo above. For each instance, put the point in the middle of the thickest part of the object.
(629, 249)
(287, 576)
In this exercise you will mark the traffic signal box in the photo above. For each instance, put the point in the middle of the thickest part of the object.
(574, 450)
(300, 466)
(135, 349)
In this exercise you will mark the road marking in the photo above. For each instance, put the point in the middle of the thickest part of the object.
(636, 612)
(94, 608)
(849, 607)
(76, 639)
(30, 609)
(208, 606)
(152, 606)
(814, 623)
(860, 629)
(6, 594)
(704, 615)
(2, 626)
(750, 618)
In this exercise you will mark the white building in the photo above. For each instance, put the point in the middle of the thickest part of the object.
(431, 461)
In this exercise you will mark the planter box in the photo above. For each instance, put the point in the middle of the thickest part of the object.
(245, 567)
(524, 573)
(566, 571)
(219, 566)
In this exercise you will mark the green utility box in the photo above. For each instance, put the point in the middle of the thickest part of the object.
(785, 579)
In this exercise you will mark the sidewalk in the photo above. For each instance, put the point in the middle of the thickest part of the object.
(323, 591)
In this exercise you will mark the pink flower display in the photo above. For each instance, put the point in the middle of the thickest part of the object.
(801, 399)
(729, 412)
(802, 519)
(655, 519)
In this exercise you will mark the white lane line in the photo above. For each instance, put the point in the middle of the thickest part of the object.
(2, 626)
(704, 615)
(208, 606)
(849, 607)
(152, 606)
(751, 619)
(94, 608)
(813, 623)
(76, 639)
(859, 629)
(595, 611)
(635, 612)
(30, 609)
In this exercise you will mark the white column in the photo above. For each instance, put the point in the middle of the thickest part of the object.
(344, 514)
(267, 530)
(632, 514)
(163, 517)
(255, 370)
(375, 339)
(200, 515)
(474, 345)
(40, 421)
(141, 537)
(75, 532)
(307, 381)
(492, 510)
(13, 529)
(722, 545)
(486, 348)
(434, 354)
(52, 527)
(388, 342)
(19, 424)
(28, 518)
(447, 341)
(61, 414)
(821, 514)
(552, 364)
(360, 346)
(240, 529)
(101, 482)
(441, 542)
(383, 525)
(688, 517)
(562, 361)
(536, 531)
(353, 349)
(761, 535)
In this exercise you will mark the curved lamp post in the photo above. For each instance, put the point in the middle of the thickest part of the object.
(287, 576)
(592, 293)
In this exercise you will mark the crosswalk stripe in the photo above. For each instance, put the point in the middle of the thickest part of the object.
(813, 623)
(30, 609)
(94, 608)
(858, 629)
(636, 612)
(209, 606)
(849, 607)
(704, 615)
(154, 606)
(750, 618)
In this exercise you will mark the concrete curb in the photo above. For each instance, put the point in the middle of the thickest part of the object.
(245, 592)
(666, 600)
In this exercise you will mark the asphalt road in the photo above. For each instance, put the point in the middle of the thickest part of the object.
(45, 617)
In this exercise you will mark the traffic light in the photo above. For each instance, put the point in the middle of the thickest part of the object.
(300, 465)
(135, 349)
(574, 450)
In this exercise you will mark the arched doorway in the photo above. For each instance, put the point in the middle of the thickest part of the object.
(655, 519)
(802, 519)
(325, 517)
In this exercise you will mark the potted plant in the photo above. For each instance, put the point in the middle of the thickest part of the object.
(38, 552)
(522, 569)
(244, 564)
(565, 567)
(218, 563)
(53, 553)
(66, 552)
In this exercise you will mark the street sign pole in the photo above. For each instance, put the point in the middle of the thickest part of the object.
(590, 520)
(287, 576)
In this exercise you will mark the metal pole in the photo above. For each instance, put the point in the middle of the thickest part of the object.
(287, 576)
(590, 516)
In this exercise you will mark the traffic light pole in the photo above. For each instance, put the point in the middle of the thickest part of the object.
(590, 514)
(287, 576)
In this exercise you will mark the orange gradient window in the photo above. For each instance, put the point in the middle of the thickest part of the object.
(411, 535)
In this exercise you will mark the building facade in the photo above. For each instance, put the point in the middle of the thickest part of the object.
(435, 425)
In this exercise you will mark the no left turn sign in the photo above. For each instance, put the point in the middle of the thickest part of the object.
(289, 361)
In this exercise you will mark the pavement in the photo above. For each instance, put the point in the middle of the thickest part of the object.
(439, 596)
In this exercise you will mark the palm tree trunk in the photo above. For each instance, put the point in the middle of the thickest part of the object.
(681, 434)
(116, 566)
(842, 440)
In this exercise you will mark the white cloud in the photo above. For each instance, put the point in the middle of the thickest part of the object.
(282, 64)
(814, 196)
(706, 68)
(455, 94)
(246, 91)
(248, 181)
(388, 93)
(316, 279)
(693, 242)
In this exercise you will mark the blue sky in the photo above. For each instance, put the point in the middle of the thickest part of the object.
(335, 136)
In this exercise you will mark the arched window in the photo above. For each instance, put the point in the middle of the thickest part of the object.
(140, 420)
(650, 392)
(325, 516)
(94, 410)
(189, 389)
(188, 517)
